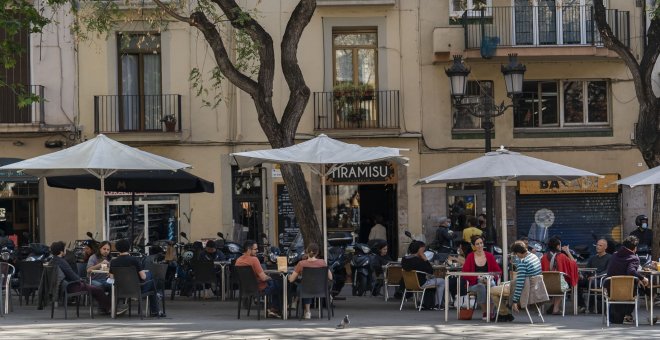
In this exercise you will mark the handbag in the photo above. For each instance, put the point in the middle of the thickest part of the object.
(465, 314)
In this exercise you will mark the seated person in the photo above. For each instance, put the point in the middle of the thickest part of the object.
(528, 265)
(480, 261)
(124, 259)
(266, 284)
(625, 262)
(311, 262)
(96, 262)
(416, 260)
(57, 249)
(380, 259)
(211, 254)
(600, 261)
(559, 258)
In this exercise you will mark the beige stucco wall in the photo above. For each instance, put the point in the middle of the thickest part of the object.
(407, 63)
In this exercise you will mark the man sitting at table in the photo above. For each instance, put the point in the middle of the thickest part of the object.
(599, 262)
(416, 260)
(57, 249)
(625, 262)
(211, 254)
(124, 259)
(265, 283)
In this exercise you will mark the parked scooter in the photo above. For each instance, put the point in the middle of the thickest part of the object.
(7, 250)
(361, 269)
(270, 253)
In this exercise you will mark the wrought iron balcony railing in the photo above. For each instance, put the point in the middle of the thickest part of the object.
(12, 113)
(137, 113)
(539, 26)
(367, 109)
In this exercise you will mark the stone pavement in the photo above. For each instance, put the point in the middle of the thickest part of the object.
(371, 318)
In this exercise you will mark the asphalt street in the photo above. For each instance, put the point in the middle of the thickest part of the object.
(371, 318)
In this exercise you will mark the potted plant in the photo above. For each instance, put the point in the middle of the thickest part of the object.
(170, 122)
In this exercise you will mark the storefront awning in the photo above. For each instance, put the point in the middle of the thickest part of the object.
(14, 176)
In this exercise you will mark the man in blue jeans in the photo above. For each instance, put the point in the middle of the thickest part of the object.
(126, 260)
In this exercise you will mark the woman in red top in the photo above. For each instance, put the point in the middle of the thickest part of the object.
(311, 262)
(480, 261)
(559, 258)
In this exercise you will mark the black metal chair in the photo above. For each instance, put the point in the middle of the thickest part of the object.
(60, 288)
(158, 274)
(314, 284)
(248, 288)
(203, 273)
(127, 286)
(29, 279)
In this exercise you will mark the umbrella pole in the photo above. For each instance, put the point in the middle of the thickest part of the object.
(325, 223)
(103, 215)
(505, 250)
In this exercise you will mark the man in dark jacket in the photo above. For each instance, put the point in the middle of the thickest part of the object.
(444, 236)
(416, 260)
(643, 233)
(57, 249)
(625, 262)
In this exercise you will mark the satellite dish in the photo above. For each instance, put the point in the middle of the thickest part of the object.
(544, 218)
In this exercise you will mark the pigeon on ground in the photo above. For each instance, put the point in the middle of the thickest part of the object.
(344, 322)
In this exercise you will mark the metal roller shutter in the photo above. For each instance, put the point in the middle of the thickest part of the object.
(576, 217)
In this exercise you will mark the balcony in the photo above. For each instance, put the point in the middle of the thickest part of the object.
(356, 110)
(537, 26)
(30, 114)
(137, 113)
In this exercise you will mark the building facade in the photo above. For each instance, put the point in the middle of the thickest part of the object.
(376, 70)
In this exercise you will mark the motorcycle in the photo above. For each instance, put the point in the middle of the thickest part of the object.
(361, 269)
(79, 245)
(270, 253)
(232, 250)
(644, 254)
(7, 250)
(296, 251)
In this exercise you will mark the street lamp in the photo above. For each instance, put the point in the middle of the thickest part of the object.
(514, 74)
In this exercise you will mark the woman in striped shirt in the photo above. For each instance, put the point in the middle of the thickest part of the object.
(528, 266)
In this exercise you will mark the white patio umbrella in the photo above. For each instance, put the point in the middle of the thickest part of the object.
(648, 177)
(99, 156)
(317, 153)
(502, 166)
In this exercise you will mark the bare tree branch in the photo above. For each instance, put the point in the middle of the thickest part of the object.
(173, 13)
(299, 92)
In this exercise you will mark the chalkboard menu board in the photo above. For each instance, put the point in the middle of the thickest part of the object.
(287, 225)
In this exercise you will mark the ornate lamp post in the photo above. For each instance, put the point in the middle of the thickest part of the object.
(513, 78)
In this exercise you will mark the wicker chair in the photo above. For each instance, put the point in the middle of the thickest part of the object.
(620, 291)
(552, 281)
(411, 282)
(392, 278)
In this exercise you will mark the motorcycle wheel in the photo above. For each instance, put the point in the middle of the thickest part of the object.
(362, 286)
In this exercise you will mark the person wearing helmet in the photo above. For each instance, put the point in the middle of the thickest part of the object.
(643, 232)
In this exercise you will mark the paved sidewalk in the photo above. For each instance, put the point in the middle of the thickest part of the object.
(371, 318)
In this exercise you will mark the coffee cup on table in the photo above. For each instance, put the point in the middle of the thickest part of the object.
(104, 266)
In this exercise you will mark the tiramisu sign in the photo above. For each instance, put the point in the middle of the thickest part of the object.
(377, 172)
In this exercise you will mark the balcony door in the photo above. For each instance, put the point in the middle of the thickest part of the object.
(552, 22)
(140, 82)
(355, 59)
(17, 76)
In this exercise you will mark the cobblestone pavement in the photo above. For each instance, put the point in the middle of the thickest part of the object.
(371, 318)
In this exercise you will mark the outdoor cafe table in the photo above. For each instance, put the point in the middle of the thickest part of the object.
(593, 272)
(458, 276)
(285, 283)
(223, 265)
(653, 275)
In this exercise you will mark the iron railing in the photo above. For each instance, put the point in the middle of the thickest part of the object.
(137, 113)
(10, 110)
(356, 110)
(539, 26)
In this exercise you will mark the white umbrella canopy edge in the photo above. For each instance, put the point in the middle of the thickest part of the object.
(646, 177)
(100, 156)
(317, 154)
(504, 165)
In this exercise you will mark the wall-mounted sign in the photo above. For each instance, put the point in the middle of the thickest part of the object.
(584, 185)
(376, 172)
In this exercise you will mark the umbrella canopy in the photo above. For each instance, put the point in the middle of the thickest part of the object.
(153, 181)
(317, 153)
(504, 165)
(648, 177)
(100, 157)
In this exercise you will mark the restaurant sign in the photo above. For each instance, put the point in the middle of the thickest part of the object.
(376, 172)
(584, 185)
